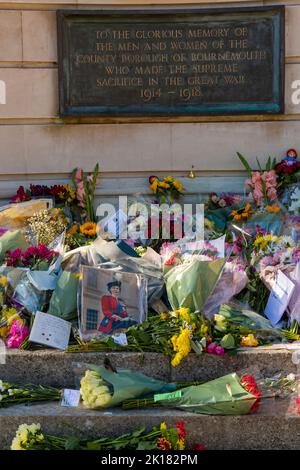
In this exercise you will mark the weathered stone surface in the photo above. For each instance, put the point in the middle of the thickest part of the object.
(58, 369)
(272, 428)
(267, 361)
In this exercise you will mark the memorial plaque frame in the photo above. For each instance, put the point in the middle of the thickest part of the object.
(68, 107)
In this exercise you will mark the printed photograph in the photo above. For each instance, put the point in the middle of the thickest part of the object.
(111, 301)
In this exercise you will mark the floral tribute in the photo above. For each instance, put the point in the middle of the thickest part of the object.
(165, 438)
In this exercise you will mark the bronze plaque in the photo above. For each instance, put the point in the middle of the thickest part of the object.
(171, 62)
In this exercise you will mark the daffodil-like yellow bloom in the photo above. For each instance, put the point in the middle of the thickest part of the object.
(181, 345)
(26, 436)
(184, 313)
(177, 185)
(249, 341)
(94, 391)
(89, 229)
(242, 214)
(3, 281)
(153, 186)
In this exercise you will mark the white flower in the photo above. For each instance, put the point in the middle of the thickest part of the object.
(291, 377)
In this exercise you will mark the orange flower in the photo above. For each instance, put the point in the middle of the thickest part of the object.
(73, 230)
(89, 229)
(273, 208)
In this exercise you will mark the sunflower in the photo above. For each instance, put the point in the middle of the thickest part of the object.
(242, 214)
(89, 229)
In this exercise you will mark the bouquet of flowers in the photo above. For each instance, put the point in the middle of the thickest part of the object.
(228, 395)
(235, 327)
(13, 394)
(62, 193)
(103, 387)
(174, 334)
(30, 437)
(167, 188)
(34, 257)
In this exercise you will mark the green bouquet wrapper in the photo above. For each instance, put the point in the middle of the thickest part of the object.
(222, 396)
(127, 384)
(190, 284)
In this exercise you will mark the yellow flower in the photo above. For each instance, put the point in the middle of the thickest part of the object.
(153, 186)
(177, 185)
(203, 330)
(3, 281)
(89, 229)
(249, 341)
(163, 185)
(181, 345)
(180, 444)
(184, 313)
(26, 436)
(168, 179)
(242, 213)
(163, 426)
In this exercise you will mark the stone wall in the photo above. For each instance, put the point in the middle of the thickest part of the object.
(36, 144)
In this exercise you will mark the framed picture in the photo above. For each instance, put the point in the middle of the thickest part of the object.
(111, 301)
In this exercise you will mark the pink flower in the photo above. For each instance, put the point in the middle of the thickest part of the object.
(18, 333)
(211, 348)
(256, 177)
(272, 194)
(257, 194)
(78, 175)
(219, 351)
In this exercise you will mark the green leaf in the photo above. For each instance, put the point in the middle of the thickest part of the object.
(268, 165)
(228, 342)
(72, 443)
(245, 163)
(146, 445)
(259, 165)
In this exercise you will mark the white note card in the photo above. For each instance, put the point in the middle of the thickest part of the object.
(121, 339)
(50, 331)
(71, 398)
(279, 298)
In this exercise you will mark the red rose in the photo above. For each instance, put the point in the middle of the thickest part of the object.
(288, 170)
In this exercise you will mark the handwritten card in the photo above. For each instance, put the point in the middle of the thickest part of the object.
(50, 331)
(279, 298)
(71, 398)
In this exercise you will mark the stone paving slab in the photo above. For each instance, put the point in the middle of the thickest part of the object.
(273, 427)
(56, 368)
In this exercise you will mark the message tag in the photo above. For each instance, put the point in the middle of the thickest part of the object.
(50, 331)
(279, 298)
(71, 398)
(120, 339)
(168, 396)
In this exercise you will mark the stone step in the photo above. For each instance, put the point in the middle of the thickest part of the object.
(275, 426)
(55, 368)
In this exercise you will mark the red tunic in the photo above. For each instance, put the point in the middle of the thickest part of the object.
(111, 306)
